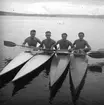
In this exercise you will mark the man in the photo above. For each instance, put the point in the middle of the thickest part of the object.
(81, 44)
(48, 43)
(32, 40)
(64, 43)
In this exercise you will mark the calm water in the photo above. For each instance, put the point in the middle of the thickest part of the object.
(16, 29)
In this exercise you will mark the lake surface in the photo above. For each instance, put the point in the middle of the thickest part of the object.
(17, 28)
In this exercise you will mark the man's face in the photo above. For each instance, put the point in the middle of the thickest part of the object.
(48, 35)
(33, 34)
(81, 36)
(64, 37)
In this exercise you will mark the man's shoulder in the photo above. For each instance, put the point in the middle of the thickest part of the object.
(84, 40)
(68, 41)
(36, 38)
(47, 39)
(28, 38)
(77, 40)
(44, 40)
(59, 40)
(53, 40)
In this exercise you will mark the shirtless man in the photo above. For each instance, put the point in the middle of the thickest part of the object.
(32, 41)
(64, 43)
(48, 43)
(81, 44)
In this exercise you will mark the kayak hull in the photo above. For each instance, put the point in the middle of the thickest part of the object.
(16, 62)
(34, 63)
(78, 67)
(95, 64)
(58, 84)
(58, 66)
(7, 77)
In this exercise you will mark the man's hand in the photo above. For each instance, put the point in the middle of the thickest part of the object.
(70, 50)
(23, 45)
(36, 48)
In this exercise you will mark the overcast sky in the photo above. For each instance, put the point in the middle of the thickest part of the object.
(74, 1)
(90, 7)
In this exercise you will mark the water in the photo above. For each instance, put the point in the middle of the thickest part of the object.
(17, 28)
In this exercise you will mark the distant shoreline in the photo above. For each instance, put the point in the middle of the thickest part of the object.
(51, 15)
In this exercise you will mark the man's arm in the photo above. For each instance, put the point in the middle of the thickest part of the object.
(25, 41)
(74, 44)
(41, 44)
(39, 41)
(71, 45)
(54, 45)
(88, 46)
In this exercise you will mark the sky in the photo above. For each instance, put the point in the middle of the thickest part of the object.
(83, 7)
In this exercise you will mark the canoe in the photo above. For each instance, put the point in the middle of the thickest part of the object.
(17, 61)
(95, 61)
(34, 63)
(78, 68)
(95, 64)
(96, 54)
(58, 65)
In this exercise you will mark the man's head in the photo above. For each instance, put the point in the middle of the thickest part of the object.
(64, 36)
(48, 34)
(33, 33)
(81, 35)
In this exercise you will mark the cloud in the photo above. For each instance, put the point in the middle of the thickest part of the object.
(52, 8)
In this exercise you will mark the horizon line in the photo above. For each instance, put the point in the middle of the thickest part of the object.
(50, 15)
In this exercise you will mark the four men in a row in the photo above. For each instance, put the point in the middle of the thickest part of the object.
(63, 43)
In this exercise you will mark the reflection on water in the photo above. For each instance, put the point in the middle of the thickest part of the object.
(55, 88)
(77, 97)
(75, 92)
(22, 82)
(5, 78)
(72, 87)
(81, 85)
(95, 68)
(47, 68)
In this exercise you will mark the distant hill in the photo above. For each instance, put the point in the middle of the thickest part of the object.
(12, 13)
(51, 15)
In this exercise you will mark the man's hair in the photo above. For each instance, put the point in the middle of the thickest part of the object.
(64, 34)
(33, 31)
(48, 32)
(81, 33)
